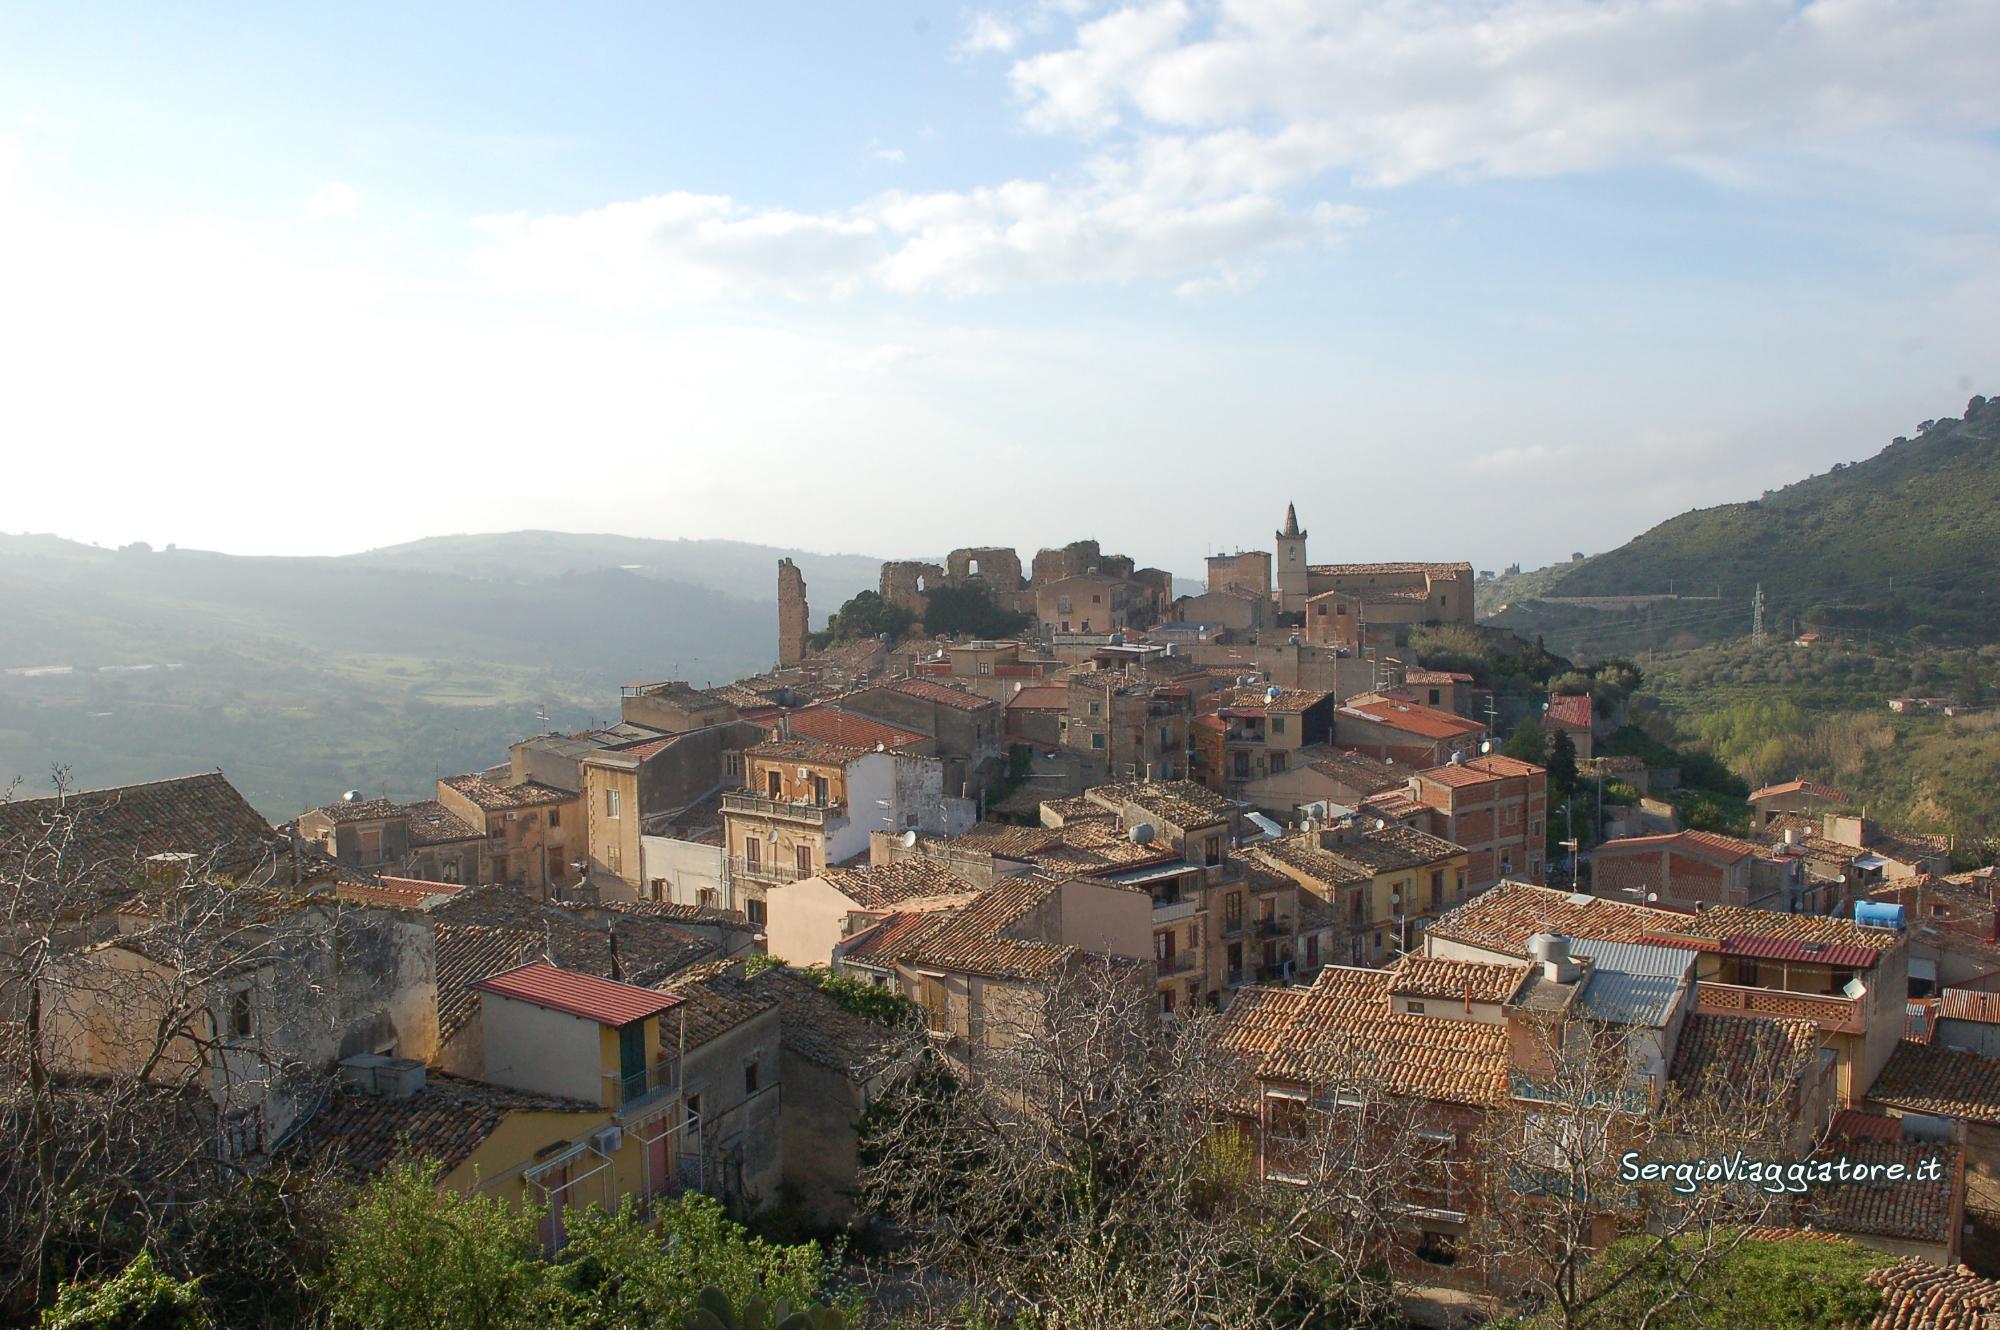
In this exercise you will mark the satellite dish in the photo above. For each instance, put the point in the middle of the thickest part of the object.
(1380, 825)
(909, 839)
(1142, 834)
(1485, 745)
(350, 796)
(772, 835)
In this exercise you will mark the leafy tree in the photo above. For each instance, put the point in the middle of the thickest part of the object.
(1529, 743)
(868, 615)
(1562, 765)
(970, 611)
(411, 1253)
(617, 1271)
(139, 1297)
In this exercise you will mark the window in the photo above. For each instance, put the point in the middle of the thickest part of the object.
(499, 868)
(753, 852)
(611, 803)
(1096, 708)
(1163, 947)
(749, 1078)
(1437, 697)
(1277, 724)
(753, 909)
(1062, 606)
(1232, 911)
(371, 844)
(774, 784)
(1166, 1002)
(1437, 888)
(1277, 763)
(705, 898)
(1097, 741)
(1211, 851)
(694, 1114)
(1535, 832)
(1320, 610)
(1312, 951)
(611, 861)
(1416, 1008)
(936, 1004)
(555, 817)
(1096, 599)
(805, 860)
(819, 791)
(242, 1018)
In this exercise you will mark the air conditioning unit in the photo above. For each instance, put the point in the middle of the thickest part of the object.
(606, 1140)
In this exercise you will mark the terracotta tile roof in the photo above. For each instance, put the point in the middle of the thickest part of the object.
(1258, 698)
(1393, 848)
(1965, 1004)
(670, 911)
(885, 886)
(1480, 770)
(495, 797)
(1943, 1082)
(881, 945)
(1394, 804)
(1180, 802)
(947, 695)
(1040, 697)
(1792, 949)
(1506, 916)
(1732, 921)
(715, 999)
(1412, 718)
(1436, 676)
(1454, 570)
(1571, 711)
(1812, 788)
(1345, 1030)
(847, 729)
(976, 938)
(806, 750)
(1256, 1022)
(1303, 853)
(575, 994)
(1917, 1295)
(431, 823)
(465, 954)
(1368, 774)
(1911, 1210)
(393, 893)
(1470, 981)
(1075, 808)
(823, 1032)
(446, 1120)
(1701, 844)
(359, 810)
(1860, 1122)
(1716, 1053)
(113, 831)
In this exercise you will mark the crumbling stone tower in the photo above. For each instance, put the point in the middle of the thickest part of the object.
(793, 615)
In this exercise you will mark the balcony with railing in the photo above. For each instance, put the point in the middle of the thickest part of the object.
(1278, 927)
(1832, 1014)
(1181, 962)
(766, 870)
(791, 810)
(1172, 909)
(633, 1093)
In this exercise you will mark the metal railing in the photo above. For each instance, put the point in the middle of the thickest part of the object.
(792, 810)
(765, 870)
(629, 1090)
(1178, 963)
(1179, 907)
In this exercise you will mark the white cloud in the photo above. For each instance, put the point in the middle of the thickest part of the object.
(332, 199)
(1396, 91)
(1123, 222)
(1228, 279)
(988, 34)
(893, 156)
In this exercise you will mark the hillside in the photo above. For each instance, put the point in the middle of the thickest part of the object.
(300, 677)
(1890, 548)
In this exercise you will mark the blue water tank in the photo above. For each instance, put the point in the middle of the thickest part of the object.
(1878, 914)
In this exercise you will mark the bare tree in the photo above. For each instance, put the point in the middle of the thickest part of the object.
(1573, 1224)
(1102, 1167)
(155, 1013)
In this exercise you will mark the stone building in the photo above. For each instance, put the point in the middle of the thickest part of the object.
(794, 616)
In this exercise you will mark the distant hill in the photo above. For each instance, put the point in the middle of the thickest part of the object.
(732, 567)
(302, 677)
(1900, 546)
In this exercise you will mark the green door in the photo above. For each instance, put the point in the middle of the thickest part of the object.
(632, 1060)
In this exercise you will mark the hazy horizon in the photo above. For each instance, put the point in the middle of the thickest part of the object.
(1526, 275)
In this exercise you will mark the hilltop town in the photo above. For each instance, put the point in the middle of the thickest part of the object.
(1083, 850)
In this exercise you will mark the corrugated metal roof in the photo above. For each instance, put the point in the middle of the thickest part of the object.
(1633, 983)
(605, 1001)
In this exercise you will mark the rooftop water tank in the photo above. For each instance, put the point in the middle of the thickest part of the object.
(1878, 914)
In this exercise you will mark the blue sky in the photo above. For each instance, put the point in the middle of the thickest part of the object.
(1493, 279)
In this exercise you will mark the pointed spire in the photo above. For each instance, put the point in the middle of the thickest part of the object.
(1291, 530)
